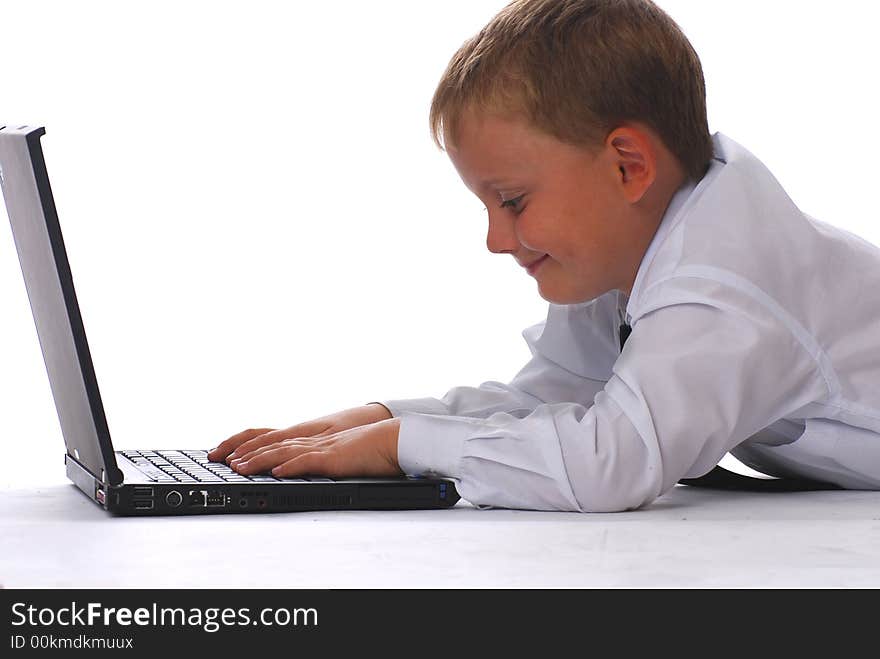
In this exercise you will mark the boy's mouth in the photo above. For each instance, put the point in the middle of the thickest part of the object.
(534, 265)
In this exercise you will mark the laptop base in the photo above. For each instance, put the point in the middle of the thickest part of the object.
(148, 498)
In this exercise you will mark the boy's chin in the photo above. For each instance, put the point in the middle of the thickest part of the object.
(563, 297)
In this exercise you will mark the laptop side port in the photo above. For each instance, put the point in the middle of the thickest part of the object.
(142, 498)
(215, 499)
(196, 498)
(206, 499)
(173, 499)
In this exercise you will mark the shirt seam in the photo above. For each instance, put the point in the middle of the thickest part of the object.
(861, 410)
(797, 331)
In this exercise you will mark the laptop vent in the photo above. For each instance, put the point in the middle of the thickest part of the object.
(311, 500)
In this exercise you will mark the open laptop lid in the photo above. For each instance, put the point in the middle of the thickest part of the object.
(49, 284)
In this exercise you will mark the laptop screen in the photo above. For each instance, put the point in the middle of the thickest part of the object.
(49, 284)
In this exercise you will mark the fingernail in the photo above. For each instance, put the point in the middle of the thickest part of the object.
(276, 471)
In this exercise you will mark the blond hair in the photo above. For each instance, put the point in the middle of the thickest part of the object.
(577, 69)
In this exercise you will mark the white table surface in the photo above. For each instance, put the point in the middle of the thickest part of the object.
(54, 536)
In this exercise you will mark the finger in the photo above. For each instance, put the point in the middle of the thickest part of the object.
(268, 459)
(227, 446)
(266, 439)
(316, 428)
(290, 441)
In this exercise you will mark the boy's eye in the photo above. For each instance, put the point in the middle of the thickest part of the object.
(513, 203)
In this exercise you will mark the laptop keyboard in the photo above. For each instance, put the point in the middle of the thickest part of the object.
(194, 467)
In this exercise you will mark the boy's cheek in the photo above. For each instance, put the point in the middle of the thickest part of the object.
(535, 237)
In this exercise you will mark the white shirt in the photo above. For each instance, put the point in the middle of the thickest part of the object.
(755, 330)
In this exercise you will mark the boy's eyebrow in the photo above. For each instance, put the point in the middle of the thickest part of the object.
(496, 183)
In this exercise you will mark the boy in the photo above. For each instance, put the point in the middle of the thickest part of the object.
(754, 328)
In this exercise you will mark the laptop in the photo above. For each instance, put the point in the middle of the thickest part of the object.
(147, 482)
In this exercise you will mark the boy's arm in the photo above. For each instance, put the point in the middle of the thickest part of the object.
(703, 370)
(581, 337)
(364, 440)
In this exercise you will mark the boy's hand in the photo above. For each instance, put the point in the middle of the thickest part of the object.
(249, 440)
(369, 450)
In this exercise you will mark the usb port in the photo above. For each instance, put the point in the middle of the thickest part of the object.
(143, 505)
(140, 491)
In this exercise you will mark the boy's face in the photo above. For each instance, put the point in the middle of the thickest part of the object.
(571, 215)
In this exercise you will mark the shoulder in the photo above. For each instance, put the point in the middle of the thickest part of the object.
(738, 234)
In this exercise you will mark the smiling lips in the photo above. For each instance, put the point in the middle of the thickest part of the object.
(534, 265)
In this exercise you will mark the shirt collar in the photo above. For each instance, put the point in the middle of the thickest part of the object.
(671, 218)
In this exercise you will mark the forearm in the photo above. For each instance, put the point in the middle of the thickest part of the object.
(539, 382)
(674, 406)
(562, 457)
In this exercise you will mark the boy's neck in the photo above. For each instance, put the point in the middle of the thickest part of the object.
(655, 203)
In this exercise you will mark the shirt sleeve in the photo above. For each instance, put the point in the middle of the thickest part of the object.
(705, 368)
(573, 352)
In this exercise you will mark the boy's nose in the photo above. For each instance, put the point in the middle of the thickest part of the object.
(501, 238)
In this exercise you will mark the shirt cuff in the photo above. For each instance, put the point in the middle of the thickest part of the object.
(433, 445)
(414, 406)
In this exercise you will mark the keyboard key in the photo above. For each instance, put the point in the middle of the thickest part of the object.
(193, 466)
(209, 479)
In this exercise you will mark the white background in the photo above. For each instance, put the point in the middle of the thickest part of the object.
(261, 230)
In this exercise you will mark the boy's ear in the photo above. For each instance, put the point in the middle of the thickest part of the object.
(635, 159)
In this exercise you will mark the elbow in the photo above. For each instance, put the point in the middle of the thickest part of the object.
(621, 502)
(626, 488)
